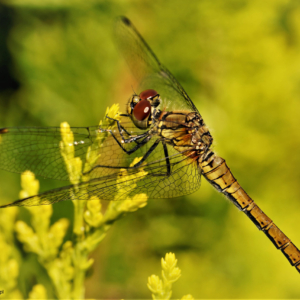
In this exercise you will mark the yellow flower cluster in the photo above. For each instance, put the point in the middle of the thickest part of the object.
(92, 154)
(162, 289)
(90, 223)
(9, 269)
(67, 150)
(38, 292)
(93, 216)
(46, 240)
(67, 263)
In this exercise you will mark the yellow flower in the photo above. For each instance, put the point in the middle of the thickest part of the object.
(28, 237)
(162, 289)
(67, 149)
(57, 232)
(131, 205)
(170, 272)
(38, 292)
(155, 284)
(187, 297)
(112, 113)
(93, 216)
(30, 185)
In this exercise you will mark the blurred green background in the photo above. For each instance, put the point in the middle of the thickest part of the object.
(239, 61)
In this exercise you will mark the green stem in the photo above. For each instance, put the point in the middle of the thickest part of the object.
(80, 255)
(78, 284)
(78, 228)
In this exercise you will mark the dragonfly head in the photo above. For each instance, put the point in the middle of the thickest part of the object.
(141, 108)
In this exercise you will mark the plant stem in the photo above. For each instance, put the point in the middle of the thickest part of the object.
(78, 228)
(80, 255)
(80, 258)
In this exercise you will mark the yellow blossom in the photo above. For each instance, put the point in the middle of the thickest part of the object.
(93, 216)
(38, 292)
(187, 297)
(155, 284)
(162, 289)
(67, 149)
(27, 237)
(170, 272)
(30, 185)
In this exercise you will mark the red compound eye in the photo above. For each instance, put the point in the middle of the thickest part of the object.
(142, 110)
(148, 94)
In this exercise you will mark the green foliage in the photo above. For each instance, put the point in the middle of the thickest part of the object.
(239, 62)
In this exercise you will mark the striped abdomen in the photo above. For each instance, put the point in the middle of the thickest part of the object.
(219, 175)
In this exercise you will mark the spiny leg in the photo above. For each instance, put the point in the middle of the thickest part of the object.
(131, 137)
(153, 147)
(146, 155)
(138, 146)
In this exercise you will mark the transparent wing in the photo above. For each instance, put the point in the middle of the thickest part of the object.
(150, 179)
(110, 177)
(147, 69)
(38, 149)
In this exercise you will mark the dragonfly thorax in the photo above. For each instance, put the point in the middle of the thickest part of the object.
(201, 137)
(185, 131)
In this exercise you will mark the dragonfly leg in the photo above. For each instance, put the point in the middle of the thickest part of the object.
(167, 158)
(168, 173)
(152, 148)
(118, 123)
(132, 138)
(138, 145)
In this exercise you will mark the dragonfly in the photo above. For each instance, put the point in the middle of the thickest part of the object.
(162, 127)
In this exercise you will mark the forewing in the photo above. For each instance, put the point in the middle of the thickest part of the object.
(147, 69)
(38, 149)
